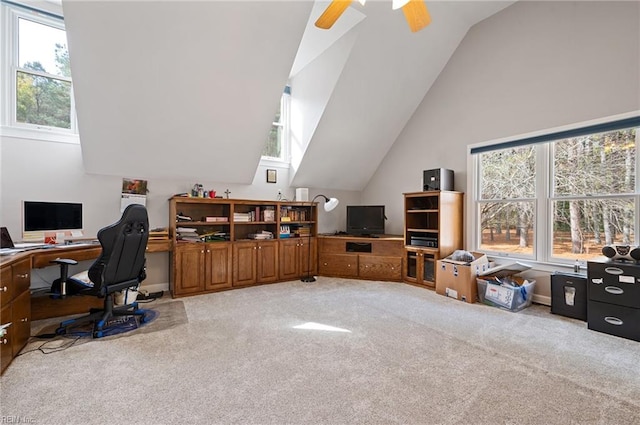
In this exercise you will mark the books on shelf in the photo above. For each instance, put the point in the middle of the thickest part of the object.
(269, 214)
(181, 217)
(188, 234)
(297, 214)
(215, 237)
(160, 233)
(265, 234)
(256, 214)
(237, 216)
(285, 231)
(214, 219)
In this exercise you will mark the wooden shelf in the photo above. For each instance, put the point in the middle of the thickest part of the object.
(435, 216)
(198, 267)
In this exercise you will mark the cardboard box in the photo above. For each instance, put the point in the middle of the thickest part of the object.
(457, 279)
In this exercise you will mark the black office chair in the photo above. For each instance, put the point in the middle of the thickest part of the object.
(120, 266)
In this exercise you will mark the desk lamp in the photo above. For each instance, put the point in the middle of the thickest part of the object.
(329, 204)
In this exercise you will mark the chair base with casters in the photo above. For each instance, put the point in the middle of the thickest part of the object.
(101, 317)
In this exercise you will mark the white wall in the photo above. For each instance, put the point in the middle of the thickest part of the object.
(533, 66)
(47, 171)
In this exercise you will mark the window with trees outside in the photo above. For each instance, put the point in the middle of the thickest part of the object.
(38, 73)
(561, 197)
(277, 145)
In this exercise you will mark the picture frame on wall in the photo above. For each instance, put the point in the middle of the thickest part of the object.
(272, 176)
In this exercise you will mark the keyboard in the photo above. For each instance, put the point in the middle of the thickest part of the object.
(32, 245)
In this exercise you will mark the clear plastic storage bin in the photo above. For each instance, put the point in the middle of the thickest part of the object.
(512, 298)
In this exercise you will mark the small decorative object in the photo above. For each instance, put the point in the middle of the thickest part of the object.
(212, 194)
(271, 176)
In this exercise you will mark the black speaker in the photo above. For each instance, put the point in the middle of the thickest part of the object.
(621, 252)
(438, 179)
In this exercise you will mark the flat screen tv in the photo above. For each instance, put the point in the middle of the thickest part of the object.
(51, 216)
(365, 219)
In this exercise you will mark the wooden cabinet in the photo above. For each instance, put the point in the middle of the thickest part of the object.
(255, 262)
(265, 242)
(361, 257)
(432, 230)
(199, 268)
(15, 302)
(297, 258)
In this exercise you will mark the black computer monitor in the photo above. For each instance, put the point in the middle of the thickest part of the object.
(39, 217)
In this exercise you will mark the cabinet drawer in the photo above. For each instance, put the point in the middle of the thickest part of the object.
(614, 319)
(21, 276)
(6, 285)
(6, 353)
(614, 283)
(379, 267)
(339, 265)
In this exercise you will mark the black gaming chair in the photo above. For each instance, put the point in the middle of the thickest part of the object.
(120, 266)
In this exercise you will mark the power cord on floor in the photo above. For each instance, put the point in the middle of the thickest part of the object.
(46, 350)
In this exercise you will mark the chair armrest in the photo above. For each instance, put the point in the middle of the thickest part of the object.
(66, 261)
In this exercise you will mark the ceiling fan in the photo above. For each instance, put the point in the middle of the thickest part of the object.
(415, 11)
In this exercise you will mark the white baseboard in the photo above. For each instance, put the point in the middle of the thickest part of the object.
(155, 287)
(542, 299)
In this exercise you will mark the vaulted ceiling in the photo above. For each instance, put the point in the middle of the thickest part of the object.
(180, 89)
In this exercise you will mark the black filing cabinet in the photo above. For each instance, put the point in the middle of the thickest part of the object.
(614, 298)
(569, 295)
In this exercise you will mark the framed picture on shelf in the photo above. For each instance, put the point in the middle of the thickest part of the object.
(272, 176)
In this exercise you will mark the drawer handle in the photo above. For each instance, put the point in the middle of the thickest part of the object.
(613, 321)
(614, 290)
(24, 320)
(4, 341)
(613, 270)
(23, 276)
(597, 281)
(5, 289)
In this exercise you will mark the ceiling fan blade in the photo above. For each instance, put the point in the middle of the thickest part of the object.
(332, 13)
(416, 14)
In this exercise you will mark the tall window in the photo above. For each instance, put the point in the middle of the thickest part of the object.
(277, 145)
(593, 202)
(507, 200)
(37, 75)
(561, 197)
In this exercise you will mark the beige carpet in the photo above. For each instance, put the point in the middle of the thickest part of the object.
(336, 352)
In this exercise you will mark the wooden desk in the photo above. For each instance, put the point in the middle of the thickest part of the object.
(42, 306)
(40, 258)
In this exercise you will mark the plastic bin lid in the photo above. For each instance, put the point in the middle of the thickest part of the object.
(505, 270)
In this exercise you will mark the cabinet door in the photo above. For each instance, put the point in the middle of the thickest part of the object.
(21, 319)
(245, 263)
(218, 266)
(420, 267)
(267, 262)
(289, 259)
(188, 269)
(6, 353)
(308, 256)
(380, 267)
